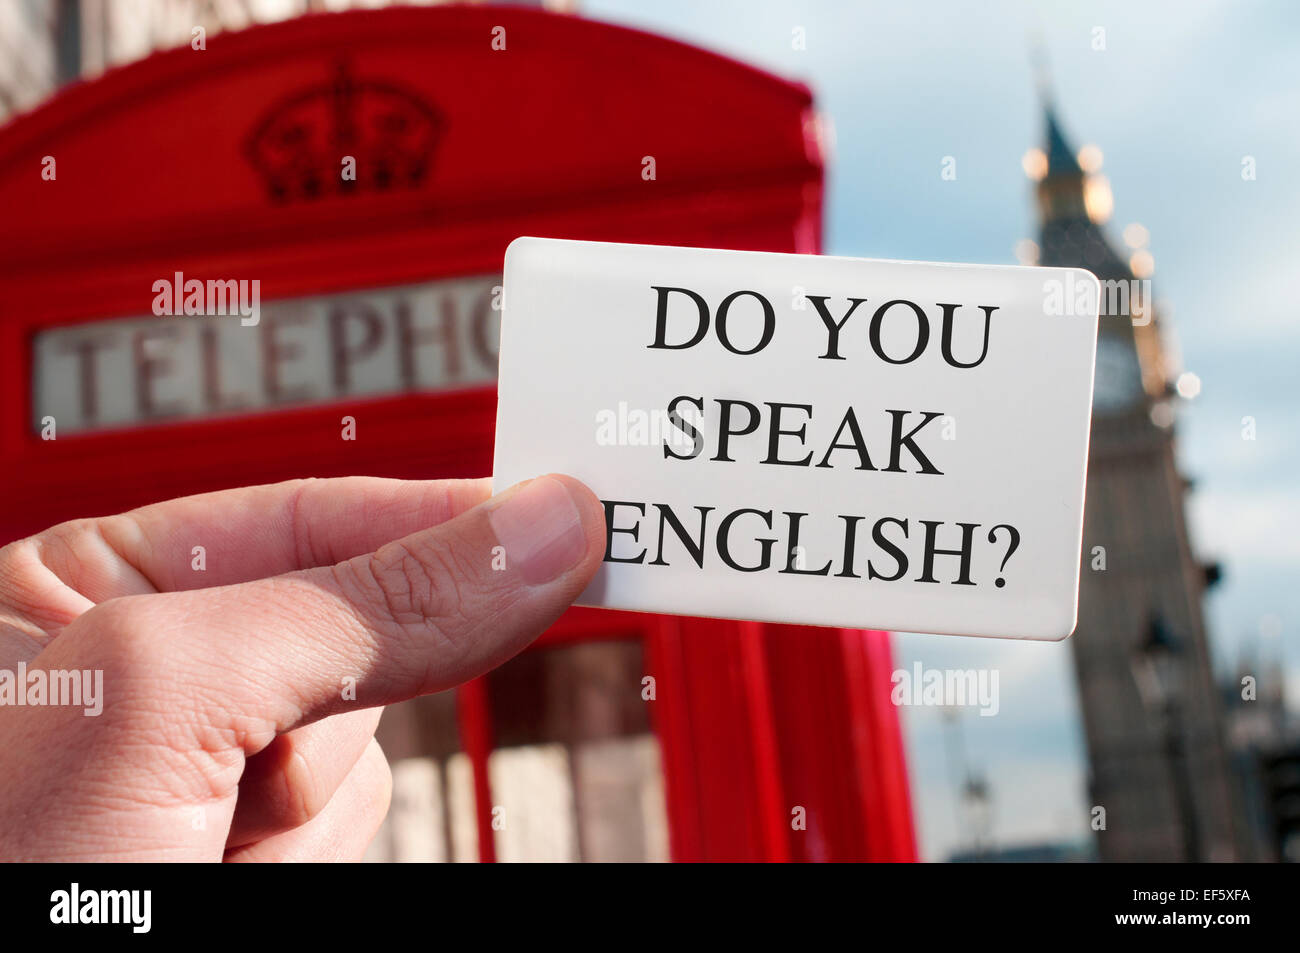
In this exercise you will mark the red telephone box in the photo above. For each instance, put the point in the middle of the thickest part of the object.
(367, 170)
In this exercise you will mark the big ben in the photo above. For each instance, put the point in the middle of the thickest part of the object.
(1159, 786)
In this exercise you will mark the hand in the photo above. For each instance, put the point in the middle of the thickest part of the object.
(227, 727)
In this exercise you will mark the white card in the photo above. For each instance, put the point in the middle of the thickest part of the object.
(934, 436)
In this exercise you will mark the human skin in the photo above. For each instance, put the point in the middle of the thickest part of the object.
(228, 730)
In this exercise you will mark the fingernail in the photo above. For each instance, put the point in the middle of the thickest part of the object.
(540, 528)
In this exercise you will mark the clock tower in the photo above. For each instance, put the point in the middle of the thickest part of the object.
(1151, 713)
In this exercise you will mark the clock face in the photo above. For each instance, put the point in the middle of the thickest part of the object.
(1118, 383)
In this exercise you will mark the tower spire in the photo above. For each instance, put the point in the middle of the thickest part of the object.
(1039, 63)
(1061, 158)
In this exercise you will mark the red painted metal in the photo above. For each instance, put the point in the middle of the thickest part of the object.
(155, 175)
(670, 716)
(474, 716)
(769, 791)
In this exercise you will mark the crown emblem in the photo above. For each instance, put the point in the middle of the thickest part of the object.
(299, 144)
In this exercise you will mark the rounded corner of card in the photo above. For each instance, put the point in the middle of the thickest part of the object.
(518, 249)
(1066, 628)
(1084, 275)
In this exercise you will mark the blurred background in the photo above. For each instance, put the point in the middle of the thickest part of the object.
(1156, 145)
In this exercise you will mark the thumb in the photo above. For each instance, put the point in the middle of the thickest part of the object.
(420, 614)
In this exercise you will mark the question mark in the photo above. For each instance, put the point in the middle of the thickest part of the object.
(1015, 544)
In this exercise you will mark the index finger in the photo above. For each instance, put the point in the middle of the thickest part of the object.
(246, 533)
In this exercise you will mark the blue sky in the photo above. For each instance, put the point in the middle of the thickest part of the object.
(1180, 94)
